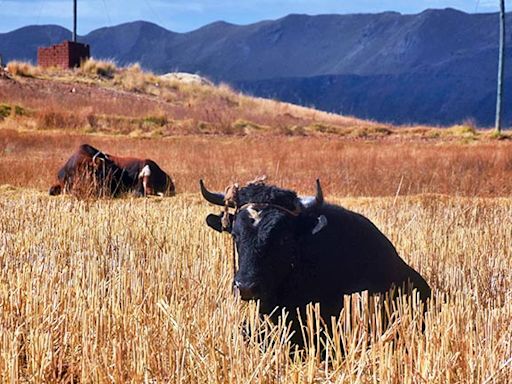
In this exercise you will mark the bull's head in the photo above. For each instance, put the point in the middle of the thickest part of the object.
(270, 226)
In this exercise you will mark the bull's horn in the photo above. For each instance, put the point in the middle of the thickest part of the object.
(96, 156)
(214, 198)
(311, 202)
(319, 194)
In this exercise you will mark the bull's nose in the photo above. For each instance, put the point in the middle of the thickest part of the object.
(248, 291)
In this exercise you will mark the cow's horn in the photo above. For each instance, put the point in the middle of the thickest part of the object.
(96, 156)
(317, 200)
(319, 194)
(214, 198)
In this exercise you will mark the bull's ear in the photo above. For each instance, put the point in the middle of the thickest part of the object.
(313, 225)
(215, 222)
(320, 224)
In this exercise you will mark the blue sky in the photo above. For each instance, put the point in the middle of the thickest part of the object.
(187, 15)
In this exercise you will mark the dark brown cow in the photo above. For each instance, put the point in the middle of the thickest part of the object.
(123, 174)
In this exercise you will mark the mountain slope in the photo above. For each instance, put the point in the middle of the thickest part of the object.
(398, 99)
(405, 65)
(22, 44)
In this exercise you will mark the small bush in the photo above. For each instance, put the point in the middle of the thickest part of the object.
(322, 128)
(155, 120)
(6, 110)
(463, 131)
(21, 68)
(246, 127)
(133, 78)
(380, 131)
(19, 111)
(103, 68)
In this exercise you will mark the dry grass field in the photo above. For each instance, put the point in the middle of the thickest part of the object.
(346, 167)
(139, 290)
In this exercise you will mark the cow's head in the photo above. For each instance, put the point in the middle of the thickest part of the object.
(269, 226)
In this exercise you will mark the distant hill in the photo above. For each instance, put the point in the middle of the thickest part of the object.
(409, 98)
(436, 67)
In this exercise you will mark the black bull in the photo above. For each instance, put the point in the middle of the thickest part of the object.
(294, 251)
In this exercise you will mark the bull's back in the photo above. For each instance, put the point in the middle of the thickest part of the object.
(362, 258)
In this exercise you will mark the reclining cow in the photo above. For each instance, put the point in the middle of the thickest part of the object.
(293, 251)
(103, 174)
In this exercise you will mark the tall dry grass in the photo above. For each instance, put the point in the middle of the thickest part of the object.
(22, 68)
(139, 291)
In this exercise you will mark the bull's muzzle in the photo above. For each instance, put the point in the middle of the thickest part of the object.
(247, 291)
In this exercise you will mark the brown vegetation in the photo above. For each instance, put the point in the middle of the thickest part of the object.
(43, 120)
(20, 68)
(102, 98)
(351, 168)
(114, 100)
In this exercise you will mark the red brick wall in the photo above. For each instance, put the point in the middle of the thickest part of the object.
(65, 55)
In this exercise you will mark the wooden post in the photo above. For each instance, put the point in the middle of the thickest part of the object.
(74, 20)
(501, 67)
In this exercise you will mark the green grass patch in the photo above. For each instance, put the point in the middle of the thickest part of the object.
(464, 131)
(7, 110)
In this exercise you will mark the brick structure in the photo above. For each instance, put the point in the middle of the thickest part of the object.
(67, 54)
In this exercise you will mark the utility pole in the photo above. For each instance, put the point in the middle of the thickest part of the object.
(74, 21)
(501, 67)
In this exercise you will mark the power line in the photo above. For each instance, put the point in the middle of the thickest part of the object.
(47, 32)
(107, 13)
(153, 12)
(40, 11)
